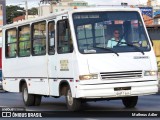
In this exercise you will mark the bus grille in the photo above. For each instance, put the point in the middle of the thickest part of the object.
(121, 75)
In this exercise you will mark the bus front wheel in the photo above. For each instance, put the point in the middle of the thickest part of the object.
(130, 102)
(27, 98)
(73, 104)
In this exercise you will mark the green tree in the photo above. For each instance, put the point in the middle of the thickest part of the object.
(11, 12)
(33, 11)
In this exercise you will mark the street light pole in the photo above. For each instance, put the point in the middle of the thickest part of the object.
(26, 9)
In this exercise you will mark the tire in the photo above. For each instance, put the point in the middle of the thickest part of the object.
(73, 104)
(130, 102)
(28, 99)
(37, 100)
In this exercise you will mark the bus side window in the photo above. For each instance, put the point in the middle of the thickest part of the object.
(51, 38)
(65, 44)
(11, 43)
(39, 38)
(24, 42)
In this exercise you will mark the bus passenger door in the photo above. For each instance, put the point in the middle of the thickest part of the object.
(60, 65)
(65, 54)
(52, 69)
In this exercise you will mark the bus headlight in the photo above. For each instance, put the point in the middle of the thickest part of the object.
(150, 73)
(88, 77)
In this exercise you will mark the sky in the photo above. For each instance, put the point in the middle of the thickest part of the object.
(32, 3)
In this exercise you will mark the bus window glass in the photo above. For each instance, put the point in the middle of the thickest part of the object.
(24, 41)
(11, 45)
(51, 37)
(39, 38)
(85, 36)
(64, 37)
(95, 32)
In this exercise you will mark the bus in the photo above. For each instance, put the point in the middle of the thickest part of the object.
(66, 54)
(153, 31)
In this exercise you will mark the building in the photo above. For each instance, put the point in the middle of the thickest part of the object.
(23, 17)
(157, 19)
(155, 4)
(147, 13)
(150, 12)
(2, 15)
(2, 12)
(2, 22)
(152, 3)
(63, 5)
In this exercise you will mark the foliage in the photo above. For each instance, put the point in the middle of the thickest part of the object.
(12, 12)
(33, 11)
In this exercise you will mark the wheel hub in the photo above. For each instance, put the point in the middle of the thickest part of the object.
(69, 97)
(25, 94)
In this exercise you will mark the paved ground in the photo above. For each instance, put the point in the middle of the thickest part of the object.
(145, 103)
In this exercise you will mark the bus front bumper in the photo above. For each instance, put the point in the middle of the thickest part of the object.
(108, 90)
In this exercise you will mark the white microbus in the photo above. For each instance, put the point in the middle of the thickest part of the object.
(78, 55)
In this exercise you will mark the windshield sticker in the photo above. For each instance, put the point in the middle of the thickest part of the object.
(89, 51)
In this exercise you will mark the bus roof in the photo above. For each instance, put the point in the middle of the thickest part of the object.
(54, 15)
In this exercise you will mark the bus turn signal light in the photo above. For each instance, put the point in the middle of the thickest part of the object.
(88, 77)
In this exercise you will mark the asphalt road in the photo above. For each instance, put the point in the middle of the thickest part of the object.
(145, 103)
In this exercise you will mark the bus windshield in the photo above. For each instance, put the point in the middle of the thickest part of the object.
(105, 32)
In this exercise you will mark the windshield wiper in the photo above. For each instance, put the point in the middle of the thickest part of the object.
(134, 47)
(108, 49)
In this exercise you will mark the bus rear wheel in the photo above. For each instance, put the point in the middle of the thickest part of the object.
(37, 100)
(28, 99)
(130, 102)
(73, 104)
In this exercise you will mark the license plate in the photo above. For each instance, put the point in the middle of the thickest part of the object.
(123, 93)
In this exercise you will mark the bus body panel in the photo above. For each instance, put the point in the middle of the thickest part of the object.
(110, 63)
(11, 84)
(27, 67)
(61, 69)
